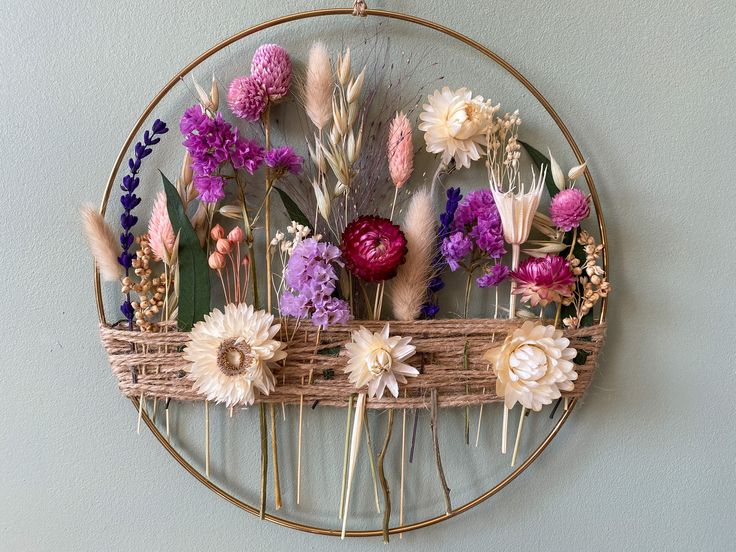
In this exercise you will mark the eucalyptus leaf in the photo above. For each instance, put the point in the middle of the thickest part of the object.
(292, 209)
(194, 276)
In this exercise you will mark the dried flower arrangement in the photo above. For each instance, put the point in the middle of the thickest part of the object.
(198, 327)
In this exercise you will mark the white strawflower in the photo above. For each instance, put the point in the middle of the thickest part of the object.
(230, 354)
(455, 123)
(533, 365)
(375, 360)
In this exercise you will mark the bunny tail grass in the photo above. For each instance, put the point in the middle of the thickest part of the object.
(102, 243)
(408, 291)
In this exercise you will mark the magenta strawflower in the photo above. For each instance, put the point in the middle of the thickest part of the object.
(543, 280)
(373, 248)
(283, 160)
(569, 208)
(271, 68)
(247, 98)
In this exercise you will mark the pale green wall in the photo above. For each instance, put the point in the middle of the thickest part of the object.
(647, 461)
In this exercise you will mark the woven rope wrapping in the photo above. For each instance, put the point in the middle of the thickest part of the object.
(441, 344)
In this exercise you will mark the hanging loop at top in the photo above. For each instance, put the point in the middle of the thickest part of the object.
(360, 8)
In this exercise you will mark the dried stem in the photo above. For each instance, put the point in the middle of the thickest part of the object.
(437, 457)
(518, 436)
(369, 447)
(275, 452)
(382, 476)
(264, 458)
(345, 455)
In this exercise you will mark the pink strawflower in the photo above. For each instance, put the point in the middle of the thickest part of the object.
(247, 98)
(160, 233)
(544, 280)
(271, 67)
(400, 150)
(569, 208)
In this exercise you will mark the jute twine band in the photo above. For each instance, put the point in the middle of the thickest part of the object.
(157, 359)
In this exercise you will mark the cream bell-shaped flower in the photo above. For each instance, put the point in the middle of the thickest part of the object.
(375, 360)
(517, 207)
(230, 353)
(532, 366)
(454, 124)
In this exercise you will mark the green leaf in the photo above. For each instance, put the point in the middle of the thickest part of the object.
(292, 209)
(540, 159)
(194, 275)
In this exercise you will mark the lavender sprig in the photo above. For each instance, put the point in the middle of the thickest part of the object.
(130, 201)
(430, 308)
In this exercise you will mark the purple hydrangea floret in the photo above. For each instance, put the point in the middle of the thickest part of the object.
(311, 280)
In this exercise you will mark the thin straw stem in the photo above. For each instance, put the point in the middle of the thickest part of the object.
(518, 436)
(264, 458)
(382, 476)
(437, 457)
(369, 447)
(275, 452)
(345, 455)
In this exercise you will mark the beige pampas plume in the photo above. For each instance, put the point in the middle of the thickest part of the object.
(160, 232)
(408, 290)
(103, 243)
(319, 86)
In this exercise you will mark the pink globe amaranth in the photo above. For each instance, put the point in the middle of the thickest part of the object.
(271, 67)
(544, 280)
(569, 208)
(373, 248)
(246, 98)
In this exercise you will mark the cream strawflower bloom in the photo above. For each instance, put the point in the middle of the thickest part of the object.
(230, 354)
(375, 359)
(455, 123)
(533, 365)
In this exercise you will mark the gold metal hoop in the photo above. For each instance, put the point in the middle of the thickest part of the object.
(423, 23)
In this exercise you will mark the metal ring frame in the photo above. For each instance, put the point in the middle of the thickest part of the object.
(423, 23)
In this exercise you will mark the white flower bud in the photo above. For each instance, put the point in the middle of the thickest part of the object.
(557, 174)
(576, 172)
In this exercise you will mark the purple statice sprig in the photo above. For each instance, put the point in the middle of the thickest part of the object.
(430, 309)
(130, 201)
(211, 142)
(311, 281)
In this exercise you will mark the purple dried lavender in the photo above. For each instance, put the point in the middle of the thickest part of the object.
(430, 309)
(130, 201)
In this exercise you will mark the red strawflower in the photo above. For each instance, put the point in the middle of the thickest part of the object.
(373, 248)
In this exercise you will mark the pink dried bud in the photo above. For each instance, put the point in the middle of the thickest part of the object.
(217, 232)
(236, 235)
(400, 150)
(216, 261)
(246, 262)
(223, 246)
(271, 68)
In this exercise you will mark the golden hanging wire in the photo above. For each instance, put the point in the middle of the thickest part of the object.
(363, 11)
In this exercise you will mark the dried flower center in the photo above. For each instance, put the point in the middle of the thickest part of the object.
(379, 361)
(529, 362)
(235, 357)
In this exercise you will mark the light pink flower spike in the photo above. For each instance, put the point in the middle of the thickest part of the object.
(160, 233)
(400, 150)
